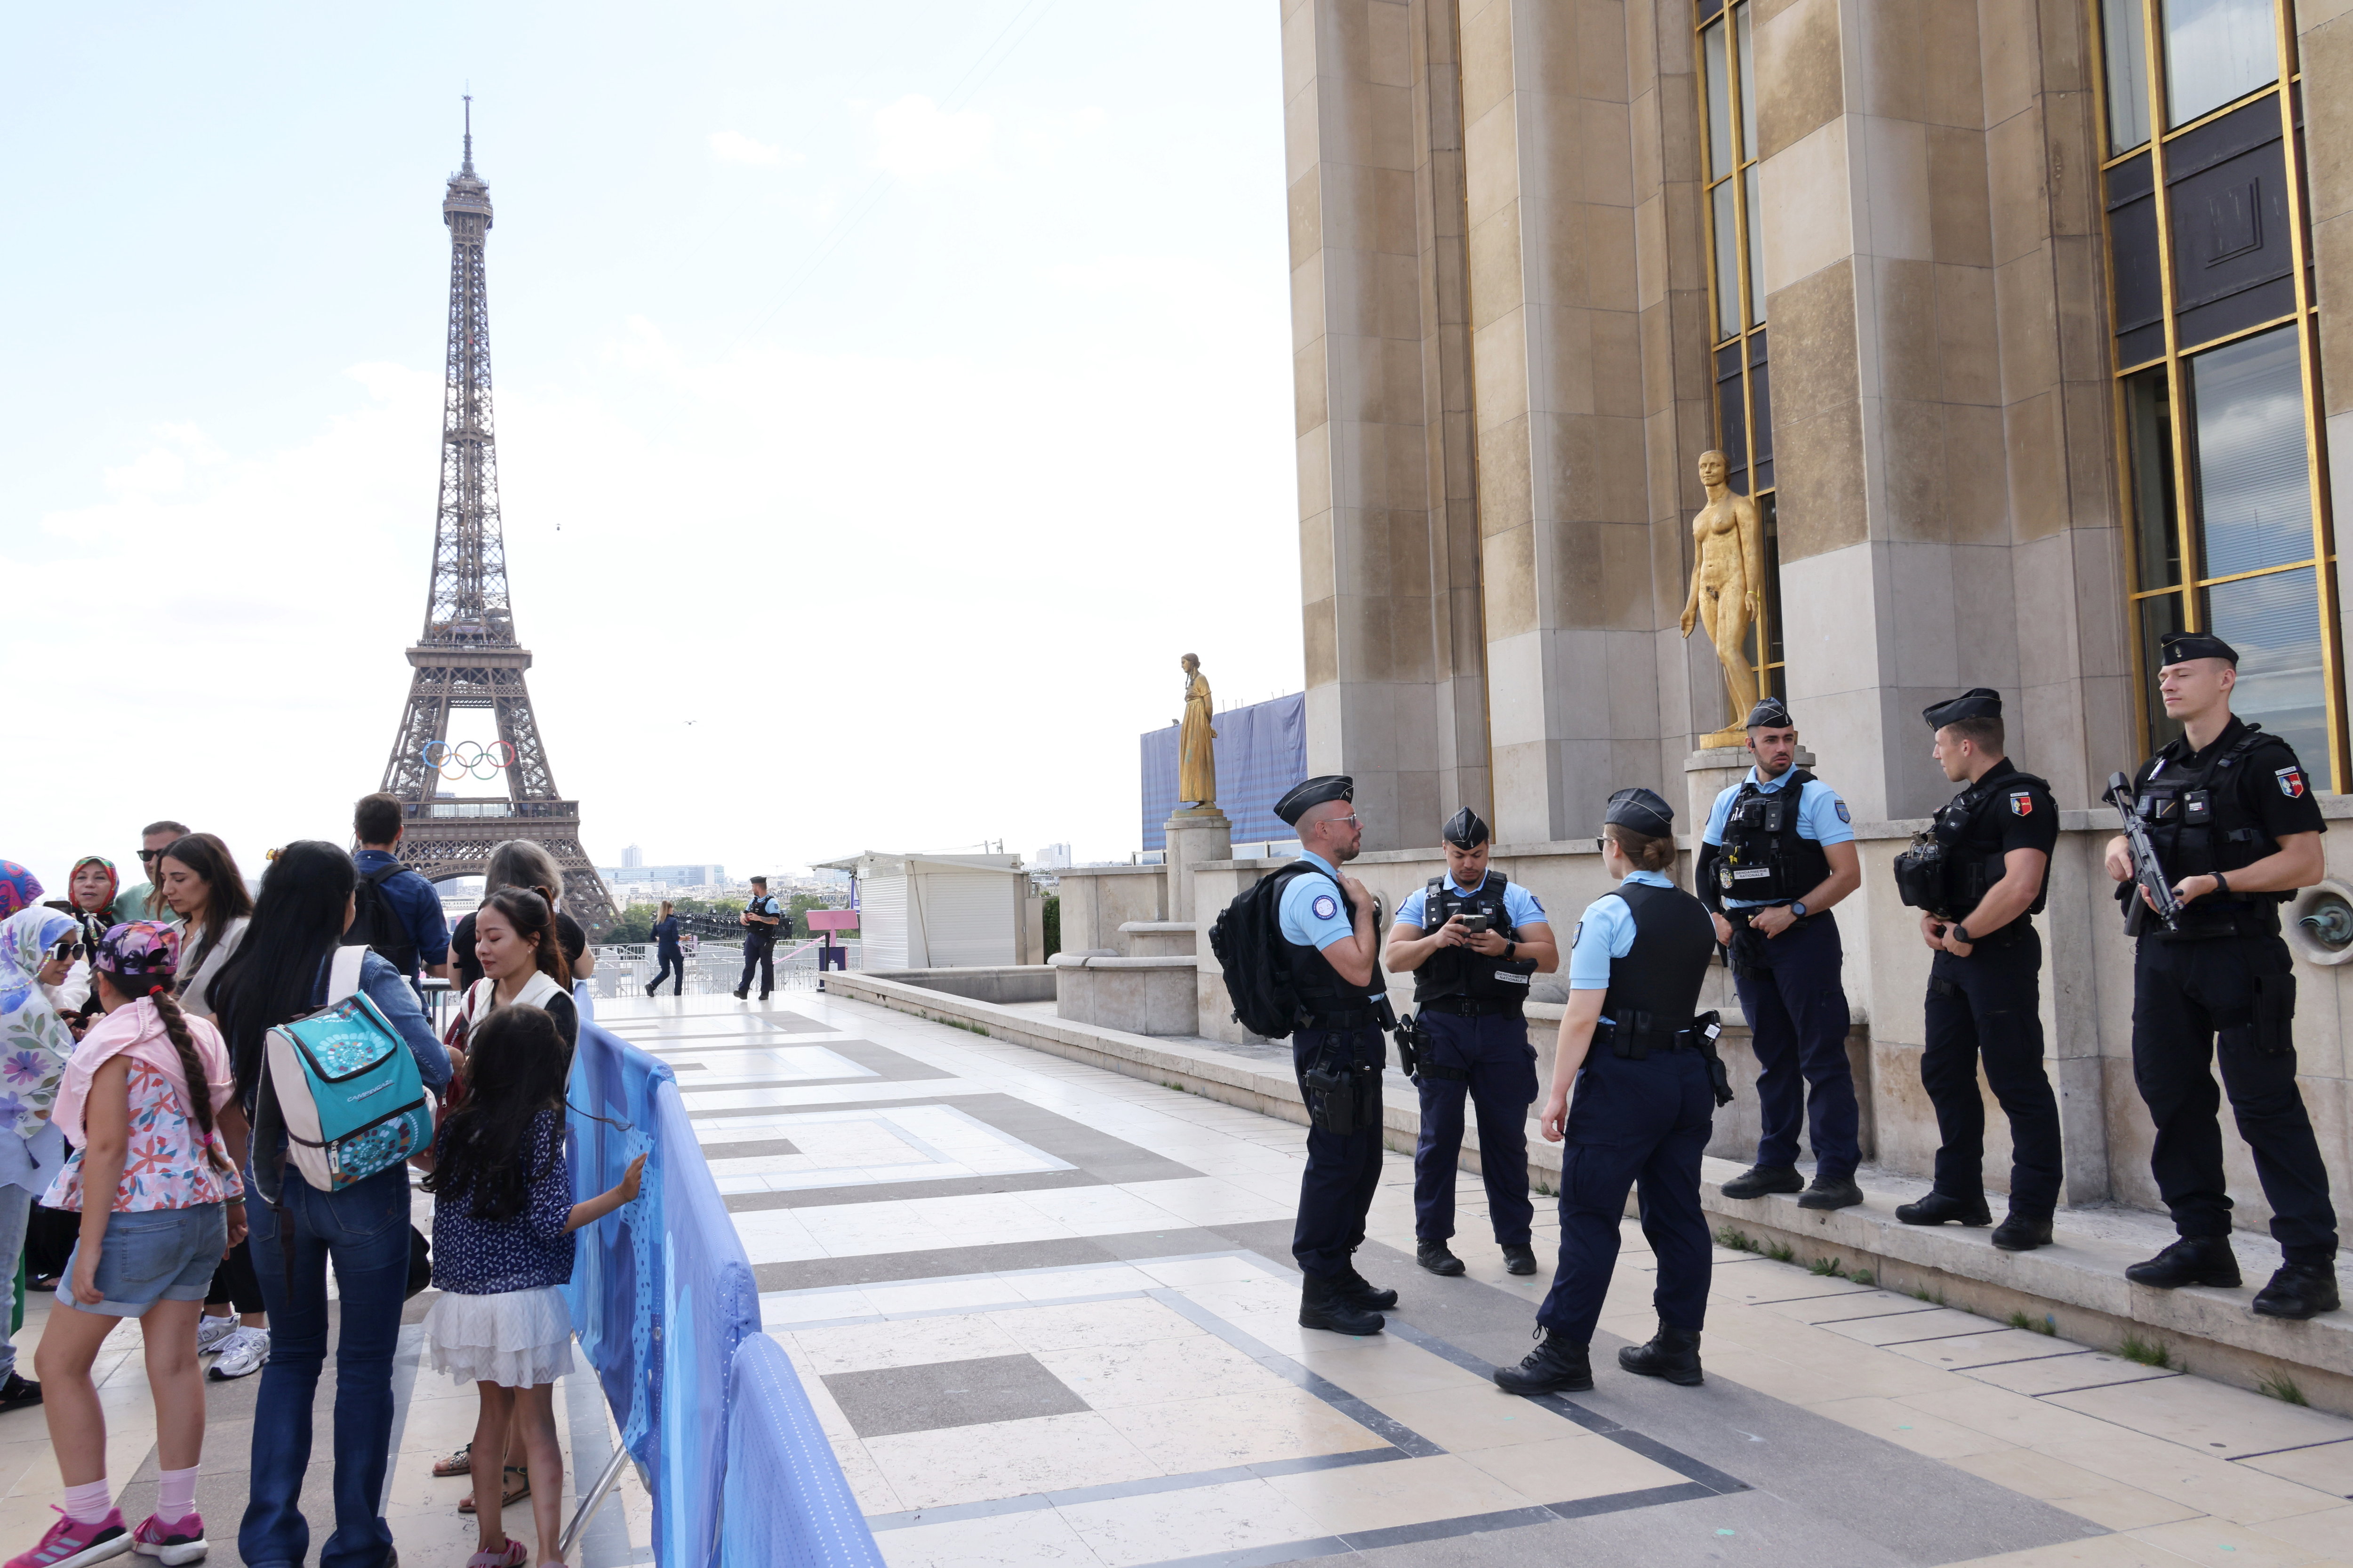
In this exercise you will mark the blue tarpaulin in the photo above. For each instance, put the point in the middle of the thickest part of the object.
(788, 1504)
(1261, 751)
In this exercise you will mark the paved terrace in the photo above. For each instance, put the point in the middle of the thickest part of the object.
(1046, 1312)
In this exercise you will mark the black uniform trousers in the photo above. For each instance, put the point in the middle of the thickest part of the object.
(759, 949)
(2229, 999)
(1344, 1170)
(1796, 1003)
(1638, 1124)
(1987, 1007)
(1498, 1075)
(673, 964)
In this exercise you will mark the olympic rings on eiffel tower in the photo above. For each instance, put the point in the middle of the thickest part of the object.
(456, 761)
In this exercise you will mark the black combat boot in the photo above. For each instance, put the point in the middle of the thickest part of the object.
(1323, 1304)
(2023, 1232)
(1672, 1354)
(1555, 1366)
(2297, 1290)
(1758, 1180)
(1360, 1292)
(1438, 1258)
(1936, 1208)
(1519, 1257)
(1831, 1192)
(2192, 1261)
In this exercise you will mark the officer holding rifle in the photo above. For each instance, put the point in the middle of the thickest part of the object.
(2228, 815)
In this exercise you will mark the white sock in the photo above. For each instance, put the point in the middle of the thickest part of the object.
(89, 1504)
(175, 1496)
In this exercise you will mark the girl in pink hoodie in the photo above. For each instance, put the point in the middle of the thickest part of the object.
(148, 1098)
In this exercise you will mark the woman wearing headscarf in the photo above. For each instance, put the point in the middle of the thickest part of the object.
(19, 889)
(90, 888)
(37, 946)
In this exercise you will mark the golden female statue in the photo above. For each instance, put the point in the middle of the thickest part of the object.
(1728, 587)
(1197, 758)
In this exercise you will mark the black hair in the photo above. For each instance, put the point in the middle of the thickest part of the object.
(272, 978)
(376, 820)
(1984, 728)
(225, 899)
(528, 911)
(516, 1066)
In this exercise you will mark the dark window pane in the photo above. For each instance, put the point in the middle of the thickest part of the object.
(2156, 540)
(2134, 265)
(2157, 617)
(2231, 261)
(2124, 31)
(2254, 496)
(2274, 623)
(1709, 7)
(1772, 582)
(1760, 398)
(1732, 417)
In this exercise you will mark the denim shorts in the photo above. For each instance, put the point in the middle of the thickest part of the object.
(151, 1256)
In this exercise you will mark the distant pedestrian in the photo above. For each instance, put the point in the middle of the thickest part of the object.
(503, 1222)
(666, 948)
(399, 911)
(141, 903)
(520, 863)
(89, 900)
(761, 916)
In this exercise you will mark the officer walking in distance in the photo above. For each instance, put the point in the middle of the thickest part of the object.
(1989, 872)
(1644, 1064)
(1331, 947)
(1487, 935)
(1779, 851)
(2230, 812)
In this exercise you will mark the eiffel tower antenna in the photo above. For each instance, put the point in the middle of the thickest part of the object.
(467, 656)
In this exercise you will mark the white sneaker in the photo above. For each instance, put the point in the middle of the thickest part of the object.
(244, 1353)
(212, 1332)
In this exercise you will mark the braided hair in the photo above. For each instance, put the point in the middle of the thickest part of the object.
(200, 1088)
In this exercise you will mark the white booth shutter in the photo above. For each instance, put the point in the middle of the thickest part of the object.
(883, 922)
(967, 918)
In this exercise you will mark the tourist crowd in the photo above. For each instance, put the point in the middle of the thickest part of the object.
(139, 1027)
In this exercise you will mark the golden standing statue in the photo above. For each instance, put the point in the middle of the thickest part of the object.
(1728, 587)
(1197, 758)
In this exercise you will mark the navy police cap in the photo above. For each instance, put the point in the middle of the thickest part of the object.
(1465, 829)
(1770, 714)
(1644, 811)
(1315, 791)
(1976, 703)
(2182, 646)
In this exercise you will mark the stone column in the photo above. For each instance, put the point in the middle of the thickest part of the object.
(1192, 838)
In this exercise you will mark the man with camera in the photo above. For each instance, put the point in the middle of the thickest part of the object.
(1486, 937)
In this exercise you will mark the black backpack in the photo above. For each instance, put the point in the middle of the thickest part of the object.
(1247, 937)
(377, 925)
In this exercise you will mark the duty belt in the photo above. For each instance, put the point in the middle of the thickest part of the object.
(1640, 1035)
(1359, 1018)
(1475, 1007)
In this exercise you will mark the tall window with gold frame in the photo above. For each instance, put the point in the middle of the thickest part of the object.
(2216, 359)
(1744, 406)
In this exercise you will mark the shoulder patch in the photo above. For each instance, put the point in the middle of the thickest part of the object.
(1325, 906)
(1844, 816)
(2290, 782)
(2021, 802)
(1577, 935)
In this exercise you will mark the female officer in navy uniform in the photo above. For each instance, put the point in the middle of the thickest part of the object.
(1645, 1102)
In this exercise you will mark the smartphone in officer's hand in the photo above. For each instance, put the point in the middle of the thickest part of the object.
(1475, 924)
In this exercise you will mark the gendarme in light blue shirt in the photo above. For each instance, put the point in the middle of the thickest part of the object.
(1606, 931)
(1823, 816)
(1520, 906)
(1312, 913)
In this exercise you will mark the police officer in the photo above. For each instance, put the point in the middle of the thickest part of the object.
(1779, 851)
(1984, 999)
(2231, 814)
(1643, 1062)
(759, 920)
(1331, 948)
(1471, 991)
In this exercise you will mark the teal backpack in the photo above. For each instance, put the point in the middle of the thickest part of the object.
(347, 1089)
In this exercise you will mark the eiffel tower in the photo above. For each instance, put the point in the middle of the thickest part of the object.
(468, 656)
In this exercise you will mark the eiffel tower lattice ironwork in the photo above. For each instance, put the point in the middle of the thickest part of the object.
(468, 656)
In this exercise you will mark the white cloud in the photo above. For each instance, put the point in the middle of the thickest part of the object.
(916, 137)
(734, 147)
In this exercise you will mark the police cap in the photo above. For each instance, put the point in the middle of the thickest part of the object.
(2179, 647)
(1315, 791)
(1465, 830)
(1643, 810)
(1976, 703)
(1770, 714)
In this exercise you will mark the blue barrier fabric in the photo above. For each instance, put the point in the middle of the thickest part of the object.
(787, 1504)
(1261, 753)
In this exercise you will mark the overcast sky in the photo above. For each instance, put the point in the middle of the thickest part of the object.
(888, 394)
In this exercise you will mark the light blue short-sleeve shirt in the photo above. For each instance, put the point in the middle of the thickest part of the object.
(1312, 913)
(1521, 907)
(1604, 932)
(1823, 816)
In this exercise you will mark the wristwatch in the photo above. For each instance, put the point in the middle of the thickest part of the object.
(1796, 909)
(1961, 934)
(2222, 884)
(1511, 951)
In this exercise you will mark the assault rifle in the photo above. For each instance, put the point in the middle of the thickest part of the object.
(2148, 876)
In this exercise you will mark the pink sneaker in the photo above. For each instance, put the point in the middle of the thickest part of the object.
(512, 1555)
(182, 1541)
(67, 1539)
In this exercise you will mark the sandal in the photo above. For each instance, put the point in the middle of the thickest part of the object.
(460, 1463)
(514, 1555)
(508, 1496)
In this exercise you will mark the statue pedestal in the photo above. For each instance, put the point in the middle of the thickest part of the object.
(1193, 838)
(1712, 770)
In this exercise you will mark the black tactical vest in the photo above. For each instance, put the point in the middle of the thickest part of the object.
(1457, 972)
(1654, 989)
(2198, 821)
(1969, 829)
(1763, 859)
(1326, 1000)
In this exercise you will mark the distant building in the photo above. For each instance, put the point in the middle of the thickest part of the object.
(1053, 858)
(632, 872)
(632, 857)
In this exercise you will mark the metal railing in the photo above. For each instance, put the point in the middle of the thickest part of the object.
(714, 969)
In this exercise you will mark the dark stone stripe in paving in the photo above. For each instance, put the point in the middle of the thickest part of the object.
(892, 1192)
(944, 1262)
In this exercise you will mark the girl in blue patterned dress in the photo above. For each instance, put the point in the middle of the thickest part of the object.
(503, 1223)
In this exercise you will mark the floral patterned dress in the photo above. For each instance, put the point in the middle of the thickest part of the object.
(166, 1165)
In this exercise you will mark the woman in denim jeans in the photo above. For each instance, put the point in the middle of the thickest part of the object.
(280, 974)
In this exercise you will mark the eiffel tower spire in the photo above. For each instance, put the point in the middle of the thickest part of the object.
(467, 656)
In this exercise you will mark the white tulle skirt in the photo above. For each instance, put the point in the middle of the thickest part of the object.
(516, 1339)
